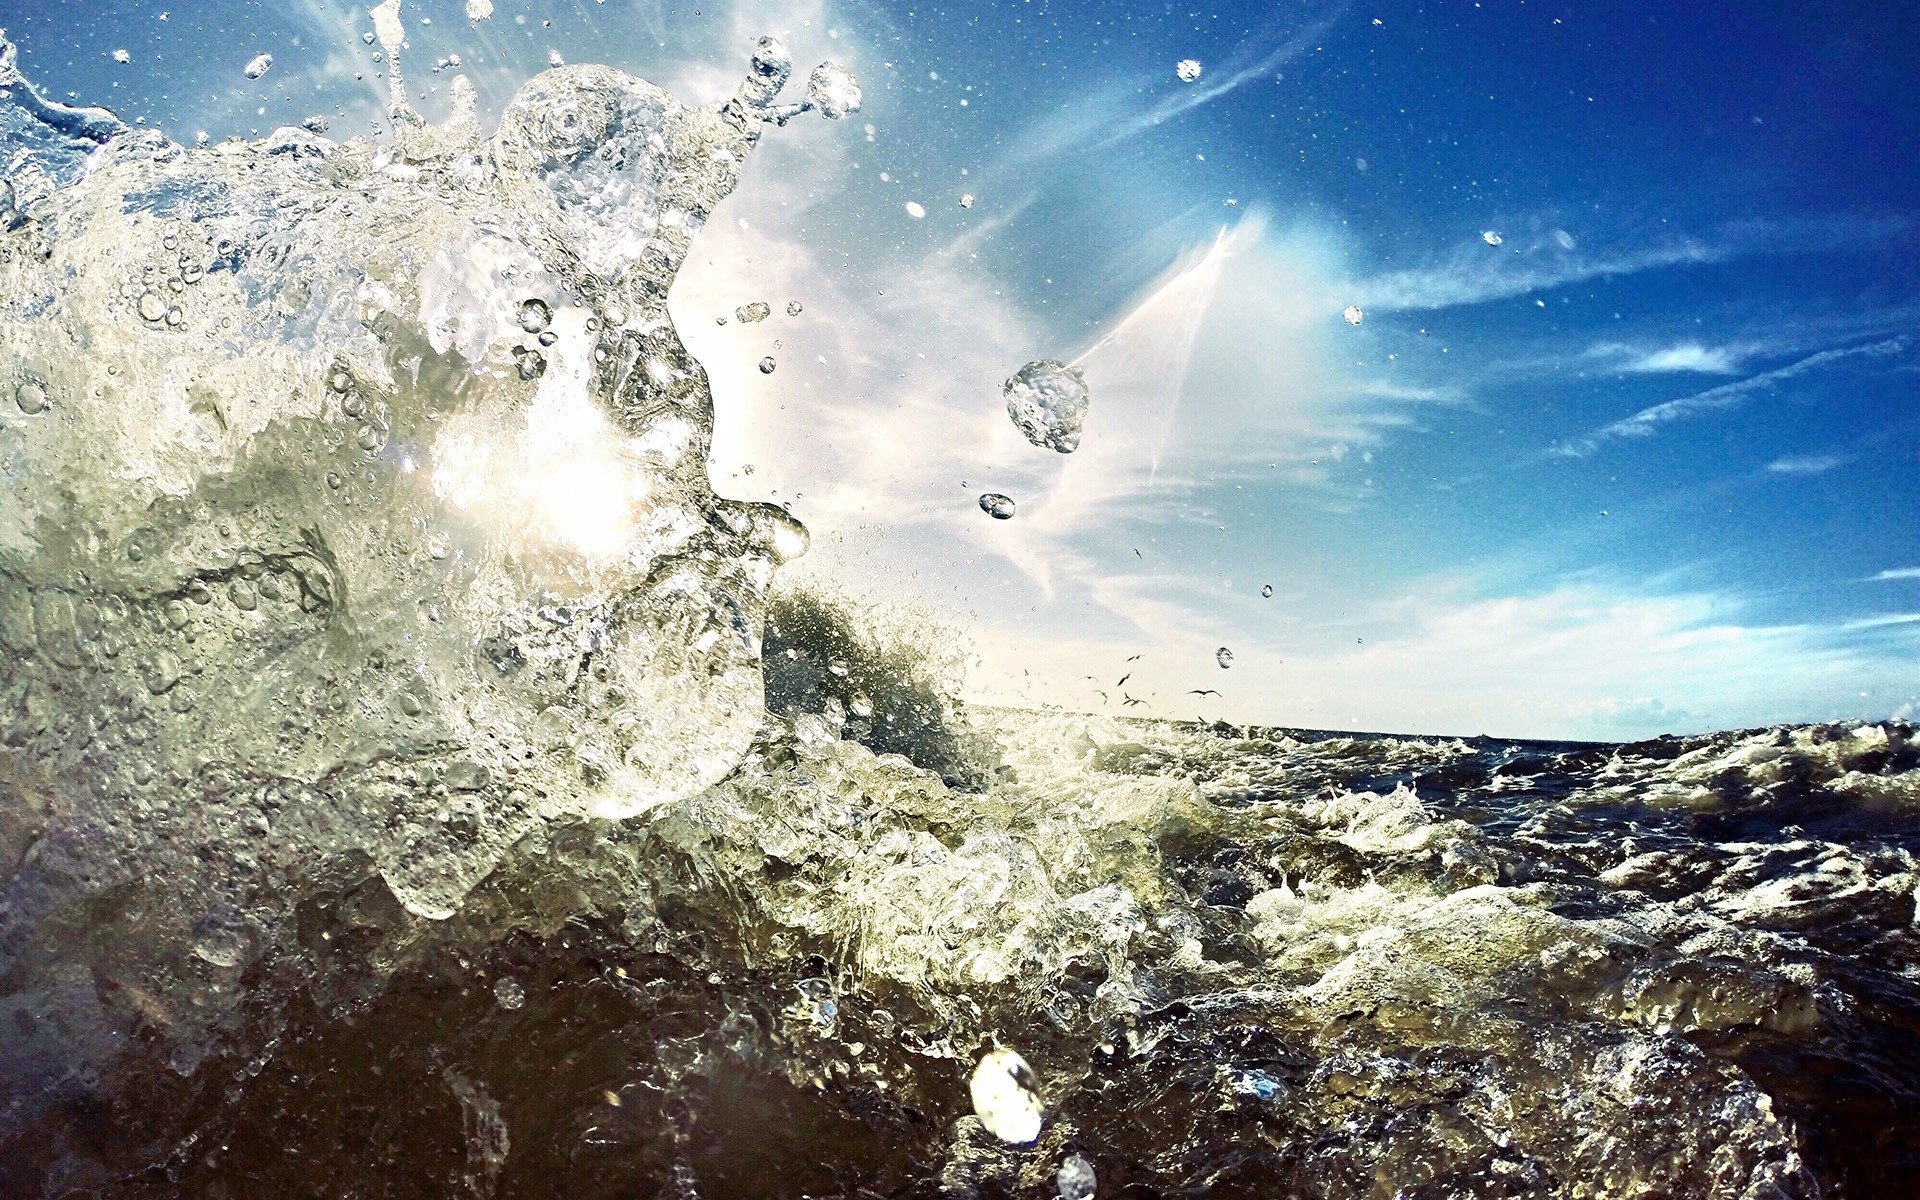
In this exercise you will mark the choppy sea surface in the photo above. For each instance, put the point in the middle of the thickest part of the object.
(414, 781)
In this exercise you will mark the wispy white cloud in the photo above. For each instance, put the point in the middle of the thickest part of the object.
(1728, 395)
(1109, 115)
(1474, 273)
(1883, 622)
(1687, 356)
(1808, 464)
(1583, 659)
(1896, 573)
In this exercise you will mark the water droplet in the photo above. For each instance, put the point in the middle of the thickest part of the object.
(833, 91)
(837, 667)
(997, 506)
(1048, 402)
(1491, 238)
(860, 705)
(152, 307)
(748, 314)
(916, 210)
(530, 362)
(243, 596)
(767, 365)
(31, 397)
(1353, 314)
(966, 199)
(1076, 1180)
(535, 315)
(1266, 592)
(1224, 657)
(793, 308)
(1188, 70)
(508, 993)
(121, 56)
(258, 65)
(1006, 1097)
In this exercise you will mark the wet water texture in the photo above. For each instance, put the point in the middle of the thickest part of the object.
(415, 783)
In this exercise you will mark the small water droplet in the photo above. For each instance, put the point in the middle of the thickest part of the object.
(1266, 592)
(833, 91)
(767, 365)
(793, 308)
(966, 199)
(748, 314)
(152, 307)
(860, 705)
(258, 65)
(529, 362)
(1006, 1097)
(30, 397)
(1491, 238)
(997, 506)
(1076, 1180)
(535, 315)
(1224, 657)
(1353, 314)
(508, 993)
(1187, 69)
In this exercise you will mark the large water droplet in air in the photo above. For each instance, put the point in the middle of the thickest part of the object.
(1491, 238)
(258, 65)
(747, 314)
(1353, 314)
(1048, 401)
(767, 365)
(1224, 657)
(997, 506)
(1188, 70)
(832, 90)
(1006, 1097)
(1266, 592)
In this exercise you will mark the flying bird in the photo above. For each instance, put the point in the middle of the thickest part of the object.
(1204, 692)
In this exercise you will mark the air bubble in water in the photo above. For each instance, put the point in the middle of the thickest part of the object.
(1224, 657)
(1048, 402)
(748, 314)
(31, 397)
(258, 65)
(1076, 1180)
(152, 307)
(1188, 70)
(1353, 314)
(766, 365)
(832, 91)
(1006, 1097)
(535, 315)
(997, 506)
(508, 993)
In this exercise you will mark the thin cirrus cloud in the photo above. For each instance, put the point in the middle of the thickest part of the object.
(1473, 273)
(1808, 464)
(1896, 573)
(1649, 421)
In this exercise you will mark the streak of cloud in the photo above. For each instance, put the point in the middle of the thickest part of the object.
(1728, 395)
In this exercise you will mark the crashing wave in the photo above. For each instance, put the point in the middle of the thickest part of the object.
(394, 801)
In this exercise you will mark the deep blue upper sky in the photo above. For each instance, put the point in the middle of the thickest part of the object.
(1473, 507)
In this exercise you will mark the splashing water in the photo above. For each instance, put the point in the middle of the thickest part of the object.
(395, 797)
(1048, 403)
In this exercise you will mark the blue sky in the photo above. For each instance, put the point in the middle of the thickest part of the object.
(1646, 464)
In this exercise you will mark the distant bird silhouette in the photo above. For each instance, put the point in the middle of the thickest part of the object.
(1128, 701)
(1124, 678)
(1203, 692)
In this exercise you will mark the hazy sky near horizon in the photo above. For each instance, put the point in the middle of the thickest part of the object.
(1626, 441)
